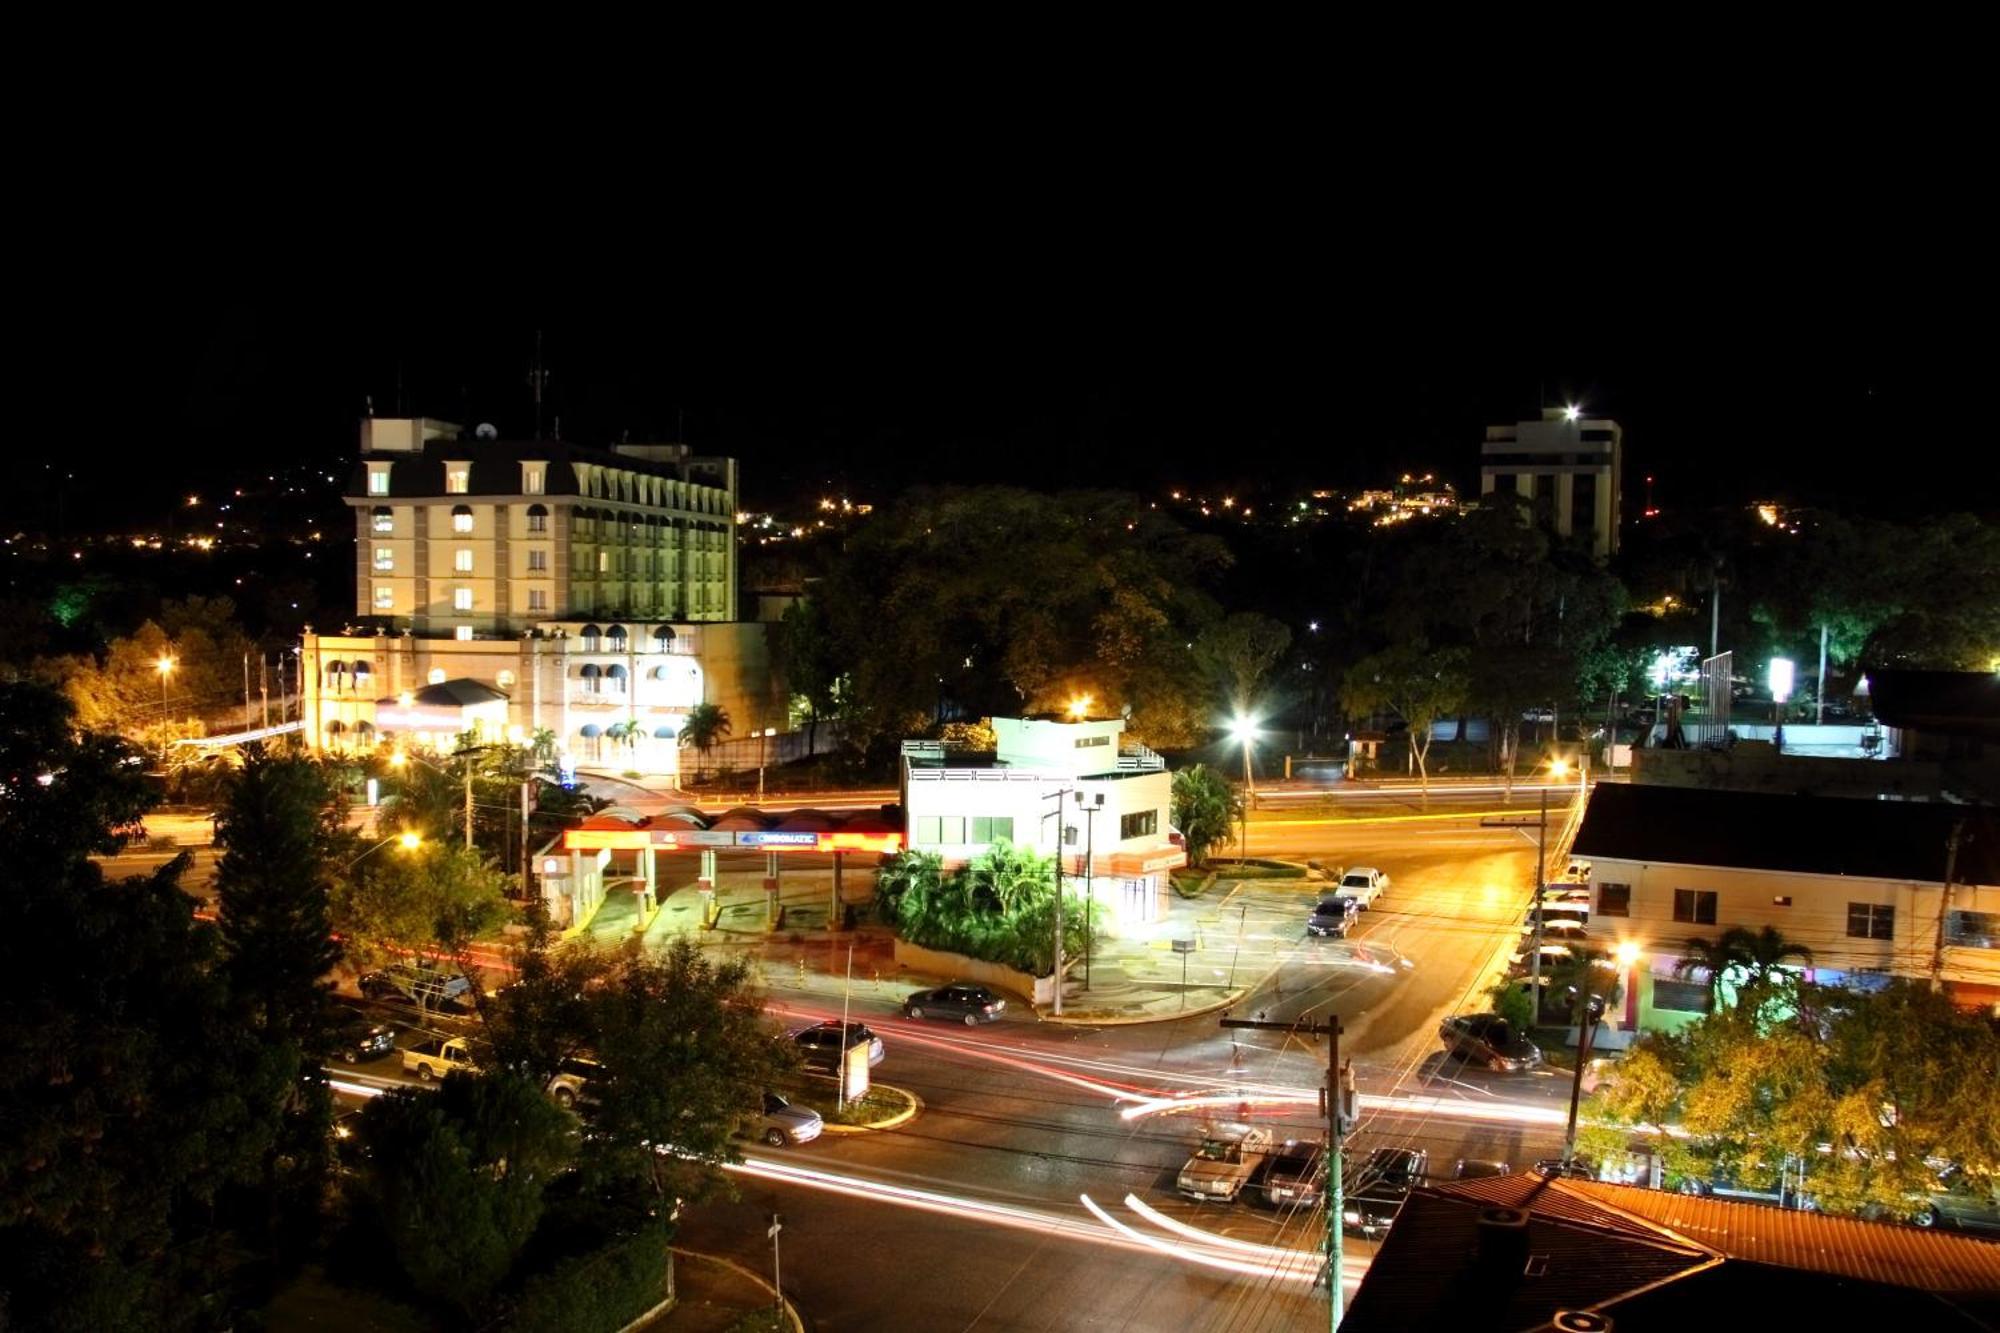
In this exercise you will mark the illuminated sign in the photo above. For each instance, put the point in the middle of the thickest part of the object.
(777, 839)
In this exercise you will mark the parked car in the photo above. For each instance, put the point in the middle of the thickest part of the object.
(1333, 918)
(1968, 1203)
(783, 1125)
(428, 988)
(1475, 1168)
(1576, 1168)
(1364, 884)
(357, 1037)
(961, 999)
(436, 1057)
(820, 1048)
(571, 1085)
(1295, 1174)
(1491, 1040)
(1376, 1194)
(1223, 1161)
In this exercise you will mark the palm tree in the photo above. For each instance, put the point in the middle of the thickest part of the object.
(1204, 806)
(542, 745)
(706, 724)
(1765, 952)
(1713, 959)
(627, 731)
(1004, 875)
(907, 889)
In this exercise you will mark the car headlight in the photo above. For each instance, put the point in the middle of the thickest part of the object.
(1351, 1217)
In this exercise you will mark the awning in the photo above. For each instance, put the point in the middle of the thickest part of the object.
(592, 730)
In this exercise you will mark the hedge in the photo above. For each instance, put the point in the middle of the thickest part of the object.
(1253, 868)
(598, 1292)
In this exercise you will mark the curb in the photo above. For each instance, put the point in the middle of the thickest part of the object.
(1118, 1020)
(902, 1117)
(798, 1325)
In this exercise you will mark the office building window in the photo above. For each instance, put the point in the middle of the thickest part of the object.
(951, 830)
(436, 676)
(461, 560)
(385, 521)
(1782, 900)
(537, 600)
(1871, 921)
(378, 480)
(927, 830)
(385, 598)
(1614, 900)
(1694, 906)
(461, 518)
(457, 478)
(461, 599)
(604, 562)
(385, 559)
(538, 562)
(1139, 824)
(999, 828)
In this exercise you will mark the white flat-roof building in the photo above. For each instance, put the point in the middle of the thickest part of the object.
(1567, 466)
(1113, 797)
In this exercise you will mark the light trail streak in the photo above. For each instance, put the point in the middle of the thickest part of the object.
(1180, 1228)
(1244, 1266)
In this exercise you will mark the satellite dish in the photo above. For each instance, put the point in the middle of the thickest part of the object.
(485, 430)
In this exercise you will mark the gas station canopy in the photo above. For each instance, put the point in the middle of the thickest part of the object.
(766, 831)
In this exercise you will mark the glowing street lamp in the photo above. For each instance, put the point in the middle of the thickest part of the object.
(1079, 707)
(1780, 676)
(1244, 729)
(408, 839)
(1572, 412)
(165, 666)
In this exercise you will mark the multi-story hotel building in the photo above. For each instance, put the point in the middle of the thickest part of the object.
(1567, 466)
(521, 587)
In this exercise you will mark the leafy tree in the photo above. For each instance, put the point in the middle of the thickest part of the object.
(455, 1180)
(283, 840)
(1416, 684)
(1204, 808)
(686, 1056)
(806, 657)
(908, 882)
(432, 901)
(1741, 961)
(121, 1079)
(1238, 652)
(545, 1015)
(706, 725)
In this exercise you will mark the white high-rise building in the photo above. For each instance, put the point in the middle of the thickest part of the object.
(1567, 466)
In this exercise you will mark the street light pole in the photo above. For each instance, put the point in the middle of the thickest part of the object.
(762, 736)
(1090, 809)
(1057, 797)
(165, 666)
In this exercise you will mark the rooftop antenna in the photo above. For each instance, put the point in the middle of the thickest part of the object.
(538, 379)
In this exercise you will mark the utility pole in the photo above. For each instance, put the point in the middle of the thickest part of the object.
(1944, 902)
(1586, 1028)
(846, 995)
(1541, 892)
(1338, 1101)
(777, 1267)
(467, 756)
(527, 808)
(1057, 797)
(1090, 809)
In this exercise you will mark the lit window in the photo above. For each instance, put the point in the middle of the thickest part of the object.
(385, 598)
(531, 480)
(437, 676)
(461, 599)
(385, 559)
(603, 562)
(457, 478)
(538, 519)
(385, 521)
(463, 632)
(537, 600)
(461, 518)
(505, 680)
(461, 560)
(538, 562)
(378, 479)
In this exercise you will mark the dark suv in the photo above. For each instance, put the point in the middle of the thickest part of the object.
(357, 1037)
(1380, 1187)
(819, 1046)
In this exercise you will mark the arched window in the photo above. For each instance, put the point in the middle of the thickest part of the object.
(335, 729)
(590, 635)
(365, 730)
(616, 675)
(590, 674)
(663, 638)
(385, 521)
(538, 518)
(616, 634)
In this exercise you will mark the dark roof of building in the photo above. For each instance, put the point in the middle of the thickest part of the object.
(496, 467)
(460, 693)
(1820, 835)
(1592, 1246)
(1965, 703)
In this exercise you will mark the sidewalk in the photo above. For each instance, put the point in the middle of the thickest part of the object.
(713, 1295)
(1239, 934)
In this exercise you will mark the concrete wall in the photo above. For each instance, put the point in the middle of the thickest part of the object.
(957, 967)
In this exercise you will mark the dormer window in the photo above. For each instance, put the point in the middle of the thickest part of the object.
(531, 478)
(378, 478)
(458, 478)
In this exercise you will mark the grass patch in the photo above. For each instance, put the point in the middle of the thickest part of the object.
(875, 1104)
(1256, 868)
(1190, 883)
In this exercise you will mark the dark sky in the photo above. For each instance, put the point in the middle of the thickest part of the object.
(1831, 368)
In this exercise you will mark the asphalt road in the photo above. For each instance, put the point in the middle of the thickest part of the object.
(1022, 1120)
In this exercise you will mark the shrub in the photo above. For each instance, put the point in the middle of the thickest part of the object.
(603, 1290)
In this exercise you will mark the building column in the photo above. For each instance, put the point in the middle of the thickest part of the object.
(833, 922)
(649, 886)
(771, 888)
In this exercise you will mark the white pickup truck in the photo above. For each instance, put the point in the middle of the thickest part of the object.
(1364, 884)
(437, 1057)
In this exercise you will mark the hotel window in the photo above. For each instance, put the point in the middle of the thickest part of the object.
(1139, 824)
(531, 479)
(538, 562)
(537, 600)
(385, 598)
(436, 676)
(604, 562)
(385, 521)
(461, 518)
(385, 559)
(538, 519)
(457, 478)
(1694, 906)
(999, 828)
(1871, 921)
(1614, 900)
(461, 560)
(461, 599)
(378, 479)
(462, 633)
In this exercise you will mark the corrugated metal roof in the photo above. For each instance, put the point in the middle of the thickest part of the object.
(1843, 1246)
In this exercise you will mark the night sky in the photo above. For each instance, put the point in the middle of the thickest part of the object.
(945, 367)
